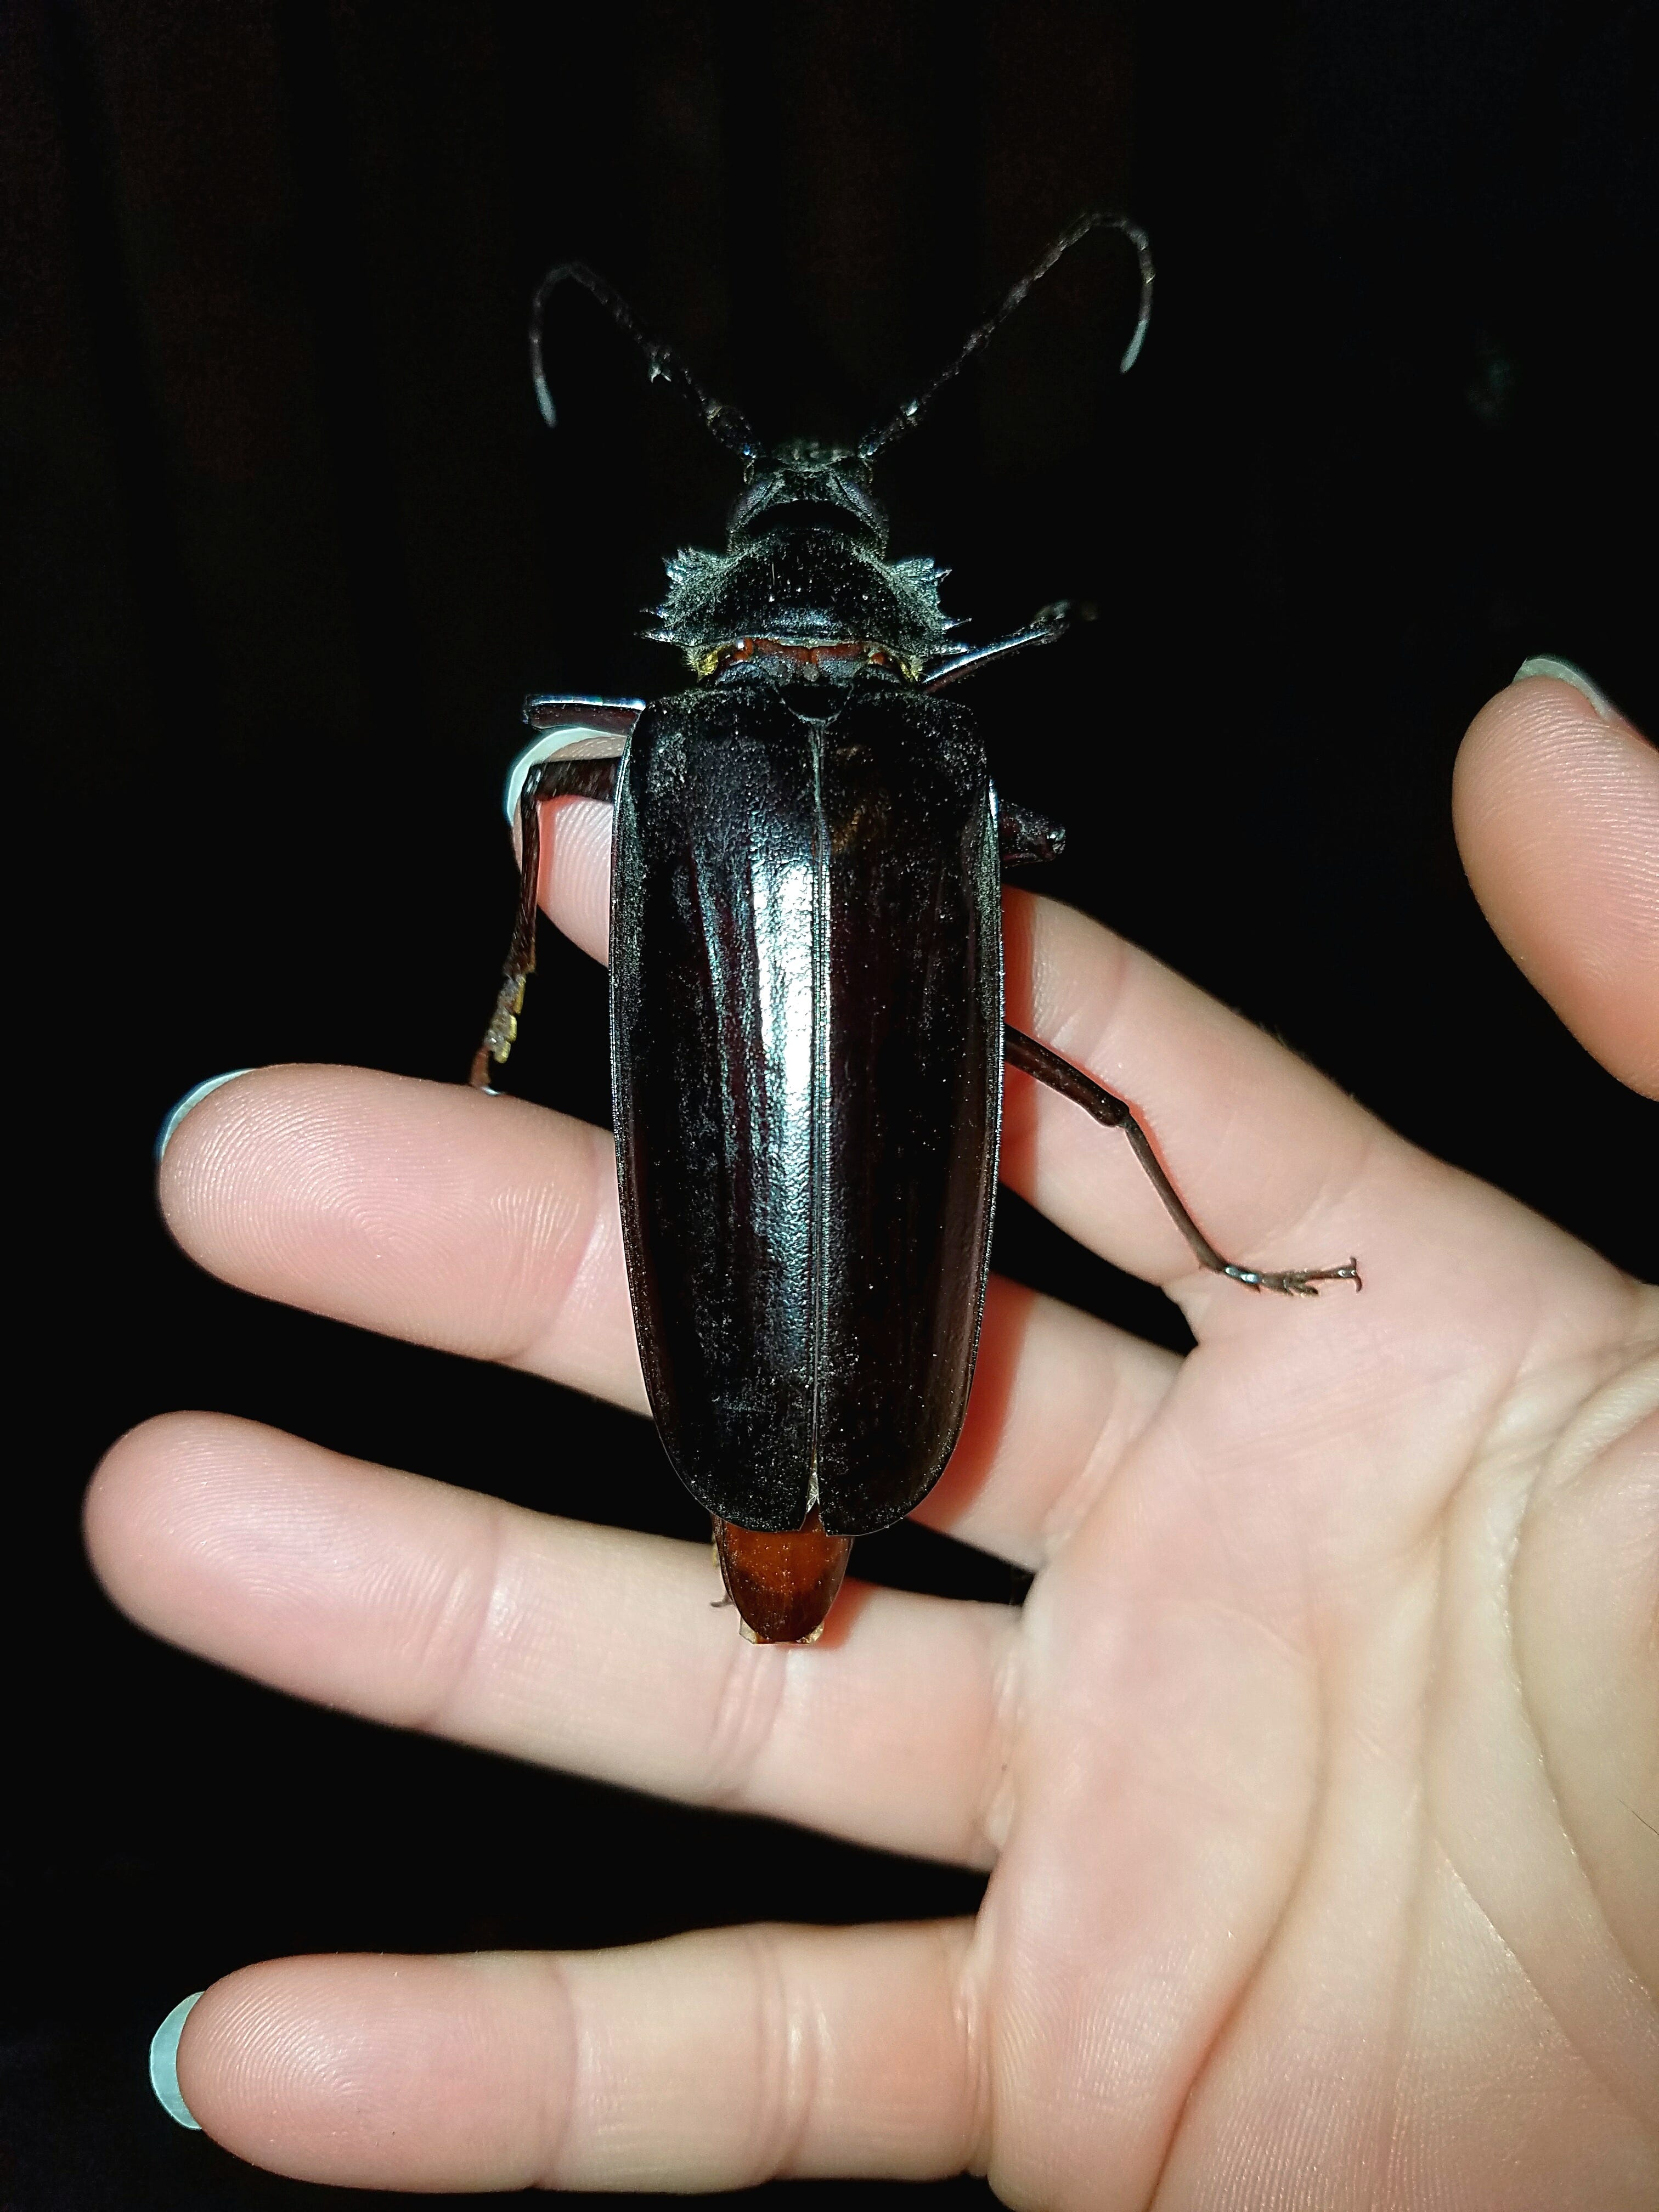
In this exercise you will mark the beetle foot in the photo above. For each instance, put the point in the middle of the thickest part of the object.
(1295, 1282)
(498, 1038)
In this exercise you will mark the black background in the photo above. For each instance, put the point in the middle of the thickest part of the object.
(288, 543)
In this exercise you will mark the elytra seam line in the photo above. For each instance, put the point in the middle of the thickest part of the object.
(818, 1243)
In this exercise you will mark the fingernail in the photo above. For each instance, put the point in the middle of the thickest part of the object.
(192, 1099)
(164, 2063)
(572, 740)
(1546, 664)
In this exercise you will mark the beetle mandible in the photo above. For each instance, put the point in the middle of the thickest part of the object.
(807, 1019)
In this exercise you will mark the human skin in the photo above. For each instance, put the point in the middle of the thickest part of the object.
(1317, 1778)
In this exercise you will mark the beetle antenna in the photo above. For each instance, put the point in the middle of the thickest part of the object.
(874, 441)
(728, 425)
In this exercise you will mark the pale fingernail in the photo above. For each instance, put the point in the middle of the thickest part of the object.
(164, 2063)
(572, 740)
(192, 1099)
(1563, 671)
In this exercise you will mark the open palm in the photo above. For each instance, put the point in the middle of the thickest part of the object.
(1316, 1776)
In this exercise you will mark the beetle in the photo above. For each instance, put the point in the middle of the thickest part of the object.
(806, 996)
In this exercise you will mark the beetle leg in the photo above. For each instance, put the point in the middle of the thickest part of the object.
(549, 779)
(1023, 1052)
(564, 710)
(1026, 836)
(1046, 624)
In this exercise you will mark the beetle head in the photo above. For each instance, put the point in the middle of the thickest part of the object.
(806, 486)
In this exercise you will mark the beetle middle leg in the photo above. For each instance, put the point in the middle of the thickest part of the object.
(1024, 1052)
(1046, 624)
(549, 779)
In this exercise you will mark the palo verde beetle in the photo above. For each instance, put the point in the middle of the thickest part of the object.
(806, 1024)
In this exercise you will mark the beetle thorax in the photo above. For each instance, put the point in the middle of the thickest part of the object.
(803, 590)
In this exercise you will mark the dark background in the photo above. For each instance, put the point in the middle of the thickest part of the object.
(288, 543)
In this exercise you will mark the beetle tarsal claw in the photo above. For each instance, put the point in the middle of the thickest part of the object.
(1295, 1282)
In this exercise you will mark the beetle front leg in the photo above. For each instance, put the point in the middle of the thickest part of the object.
(1025, 838)
(1046, 624)
(1023, 1052)
(551, 779)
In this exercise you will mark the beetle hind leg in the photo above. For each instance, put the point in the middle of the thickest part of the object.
(1023, 1052)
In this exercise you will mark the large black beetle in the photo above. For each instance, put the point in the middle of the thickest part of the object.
(806, 1024)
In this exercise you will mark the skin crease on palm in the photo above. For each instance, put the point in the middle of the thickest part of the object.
(1317, 1778)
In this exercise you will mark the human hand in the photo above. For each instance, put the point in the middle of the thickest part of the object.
(1318, 1777)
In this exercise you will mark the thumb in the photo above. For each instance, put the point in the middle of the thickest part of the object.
(1555, 802)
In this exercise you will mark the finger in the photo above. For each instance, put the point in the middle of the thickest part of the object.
(1556, 806)
(591, 1649)
(490, 1227)
(1259, 1145)
(1058, 1400)
(575, 872)
(426, 1211)
(711, 2060)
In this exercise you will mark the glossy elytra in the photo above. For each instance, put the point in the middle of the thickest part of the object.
(806, 1027)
